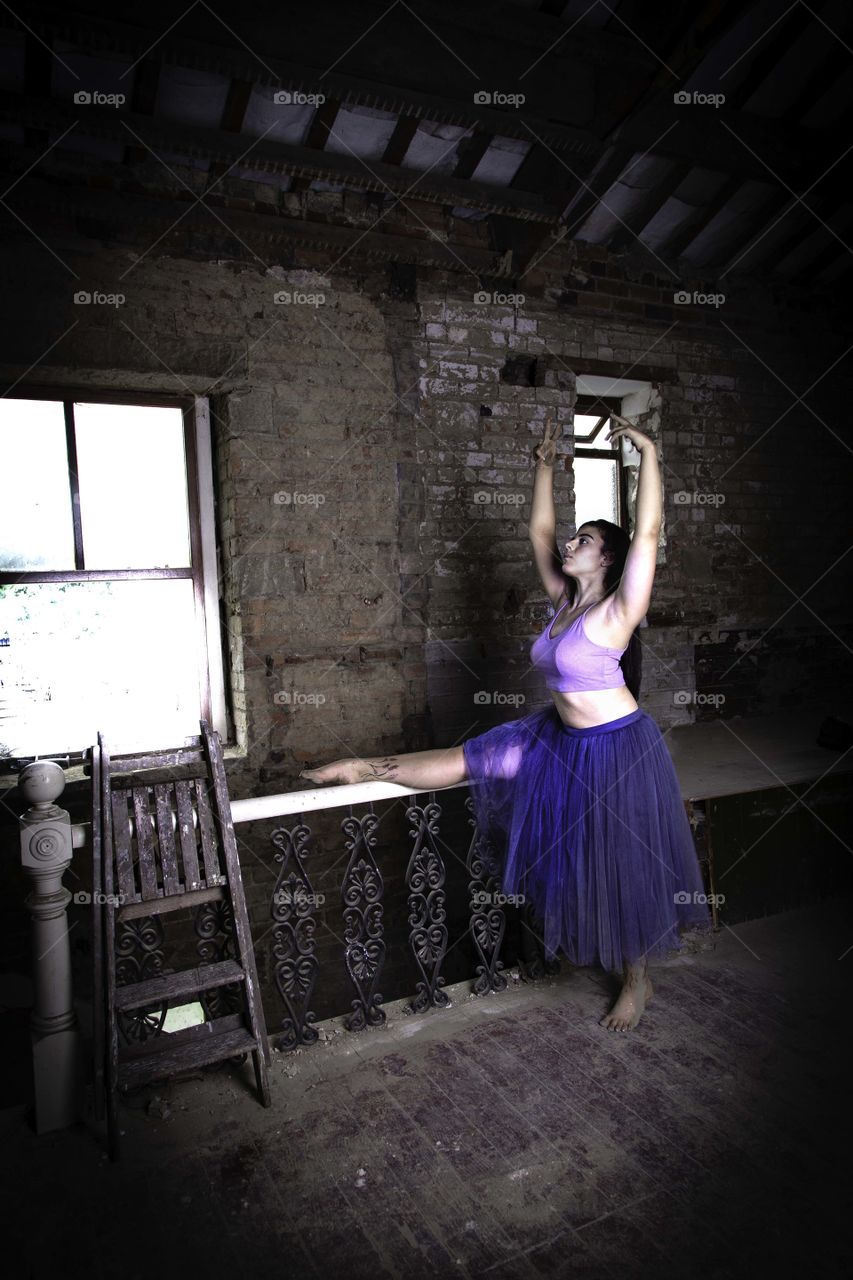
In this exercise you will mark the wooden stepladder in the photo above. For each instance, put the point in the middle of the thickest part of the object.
(163, 841)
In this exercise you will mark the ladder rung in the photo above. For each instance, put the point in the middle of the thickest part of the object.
(172, 985)
(165, 1060)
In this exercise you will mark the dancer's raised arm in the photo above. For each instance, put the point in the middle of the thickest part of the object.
(542, 526)
(630, 601)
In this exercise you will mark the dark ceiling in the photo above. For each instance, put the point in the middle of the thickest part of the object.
(621, 140)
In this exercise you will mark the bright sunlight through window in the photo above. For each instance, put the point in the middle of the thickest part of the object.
(80, 654)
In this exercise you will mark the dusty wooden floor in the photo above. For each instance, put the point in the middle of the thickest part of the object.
(507, 1137)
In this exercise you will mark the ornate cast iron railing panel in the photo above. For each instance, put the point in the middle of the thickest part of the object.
(214, 926)
(361, 893)
(139, 955)
(488, 919)
(427, 916)
(295, 964)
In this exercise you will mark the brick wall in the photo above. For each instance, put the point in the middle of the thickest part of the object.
(386, 586)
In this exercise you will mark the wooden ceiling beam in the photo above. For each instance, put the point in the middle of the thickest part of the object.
(321, 126)
(576, 195)
(641, 131)
(231, 121)
(752, 231)
(817, 207)
(630, 135)
(735, 142)
(591, 190)
(400, 140)
(559, 182)
(631, 227)
(278, 157)
(793, 24)
(824, 78)
(470, 151)
(696, 221)
(820, 210)
(269, 236)
(412, 95)
(680, 58)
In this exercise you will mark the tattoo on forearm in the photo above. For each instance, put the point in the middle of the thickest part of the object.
(386, 768)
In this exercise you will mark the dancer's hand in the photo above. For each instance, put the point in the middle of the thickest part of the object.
(546, 452)
(625, 428)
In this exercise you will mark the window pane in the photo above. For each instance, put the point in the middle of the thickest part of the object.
(133, 486)
(585, 425)
(595, 490)
(36, 528)
(118, 657)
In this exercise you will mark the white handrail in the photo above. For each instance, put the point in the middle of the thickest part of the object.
(288, 802)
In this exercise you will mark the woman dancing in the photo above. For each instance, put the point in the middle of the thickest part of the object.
(579, 802)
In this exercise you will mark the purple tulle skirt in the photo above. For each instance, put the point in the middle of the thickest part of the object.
(590, 827)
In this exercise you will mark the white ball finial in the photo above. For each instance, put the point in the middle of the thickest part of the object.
(41, 782)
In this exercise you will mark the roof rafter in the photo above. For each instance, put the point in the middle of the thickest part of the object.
(276, 157)
(322, 125)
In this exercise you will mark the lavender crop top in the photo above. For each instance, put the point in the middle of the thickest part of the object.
(572, 663)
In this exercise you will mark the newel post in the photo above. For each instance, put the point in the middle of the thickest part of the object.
(45, 855)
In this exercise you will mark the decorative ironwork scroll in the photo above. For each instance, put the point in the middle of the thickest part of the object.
(214, 926)
(139, 955)
(488, 919)
(425, 881)
(361, 893)
(295, 964)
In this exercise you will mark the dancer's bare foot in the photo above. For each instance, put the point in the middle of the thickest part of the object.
(376, 769)
(628, 1009)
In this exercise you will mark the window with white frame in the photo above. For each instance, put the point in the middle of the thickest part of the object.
(600, 480)
(109, 601)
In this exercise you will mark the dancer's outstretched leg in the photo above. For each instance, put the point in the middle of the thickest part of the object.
(628, 1009)
(426, 770)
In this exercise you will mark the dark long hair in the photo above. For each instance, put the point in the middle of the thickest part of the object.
(617, 541)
